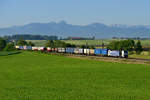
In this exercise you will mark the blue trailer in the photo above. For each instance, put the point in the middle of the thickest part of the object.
(69, 50)
(29, 48)
(104, 52)
(97, 51)
(21, 47)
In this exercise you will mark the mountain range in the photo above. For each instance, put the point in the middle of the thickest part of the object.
(63, 29)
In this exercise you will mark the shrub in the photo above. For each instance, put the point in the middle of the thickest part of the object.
(9, 47)
(2, 44)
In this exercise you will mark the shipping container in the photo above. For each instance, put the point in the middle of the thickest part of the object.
(49, 49)
(61, 50)
(21, 47)
(91, 51)
(28, 48)
(81, 51)
(87, 51)
(17, 47)
(35, 48)
(98, 51)
(55, 49)
(24, 47)
(76, 50)
(69, 50)
(104, 52)
(41, 48)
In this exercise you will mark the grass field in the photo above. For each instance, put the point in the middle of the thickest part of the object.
(38, 42)
(6, 53)
(90, 42)
(144, 55)
(99, 42)
(36, 76)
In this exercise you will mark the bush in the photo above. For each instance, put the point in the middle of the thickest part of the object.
(131, 52)
(138, 47)
(148, 52)
(21, 42)
(2, 44)
(122, 45)
(9, 47)
(30, 44)
(58, 43)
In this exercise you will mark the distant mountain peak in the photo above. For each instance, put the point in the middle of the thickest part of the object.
(62, 22)
(62, 29)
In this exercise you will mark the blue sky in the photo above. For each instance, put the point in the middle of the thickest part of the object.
(20, 12)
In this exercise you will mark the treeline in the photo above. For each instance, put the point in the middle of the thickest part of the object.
(10, 46)
(133, 38)
(22, 42)
(128, 45)
(79, 38)
(6, 46)
(49, 43)
(58, 43)
(31, 37)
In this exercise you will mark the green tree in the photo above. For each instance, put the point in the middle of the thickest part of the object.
(83, 46)
(31, 44)
(103, 44)
(122, 45)
(21, 42)
(9, 47)
(2, 44)
(131, 45)
(50, 43)
(59, 43)
(138, 47)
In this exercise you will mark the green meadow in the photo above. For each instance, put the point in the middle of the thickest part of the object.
(6, 53)
(39, 76)
(99, 42)
(90, 42)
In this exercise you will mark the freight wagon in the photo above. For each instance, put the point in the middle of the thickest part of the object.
(49, 49)
(104, 52)
(81, 51)
(76, 50)
(91, 51)
(99, 52)
(61, 50)
(70, 50)
(86, 51)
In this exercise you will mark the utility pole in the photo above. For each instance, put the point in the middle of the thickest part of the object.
(102, 44)
(86, 46)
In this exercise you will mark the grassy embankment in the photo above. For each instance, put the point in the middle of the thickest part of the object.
(144, 55)
(6, 53)
(36, 76)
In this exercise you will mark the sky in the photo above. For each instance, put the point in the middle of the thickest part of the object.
(79, 12)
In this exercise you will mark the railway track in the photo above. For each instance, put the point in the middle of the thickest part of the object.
(141, 59)
(112, 59)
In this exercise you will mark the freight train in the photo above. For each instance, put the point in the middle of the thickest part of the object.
(98, 52)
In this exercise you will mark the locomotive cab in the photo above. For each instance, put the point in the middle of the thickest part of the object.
(124, 54)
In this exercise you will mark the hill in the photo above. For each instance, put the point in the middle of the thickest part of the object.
(62, 29)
